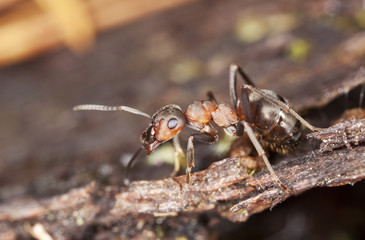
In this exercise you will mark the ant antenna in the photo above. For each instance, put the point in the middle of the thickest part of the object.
(129, 165)
(110, 108)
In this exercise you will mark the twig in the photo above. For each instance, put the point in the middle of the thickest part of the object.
(225, 187)
(340, 135)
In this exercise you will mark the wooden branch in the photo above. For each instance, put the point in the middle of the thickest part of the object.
(226, 187)
(343, 134)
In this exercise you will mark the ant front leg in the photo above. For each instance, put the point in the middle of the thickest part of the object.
(199, 137)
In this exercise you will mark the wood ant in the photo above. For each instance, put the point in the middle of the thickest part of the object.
(265, 116)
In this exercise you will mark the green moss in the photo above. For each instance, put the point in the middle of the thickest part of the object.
(360, 18)
(224, 145)
(298, 50)
(186, 70)
(181, 238)
(159, 232)
(251, 172)
(253, 28)
(244, 212)
(250, 30)
(80, 221)
(163, 154)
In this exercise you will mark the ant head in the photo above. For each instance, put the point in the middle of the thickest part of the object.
(166, 123)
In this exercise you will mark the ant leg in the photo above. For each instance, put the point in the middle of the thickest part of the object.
(199, 137)
(211, 97)
(129, 165)
(232, 85)
(246, 106)
(233, 94)
(239, 129)
(281, 105)
(233, 82)
(178, 154)
(261, 153)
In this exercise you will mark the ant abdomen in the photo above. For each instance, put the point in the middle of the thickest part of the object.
(276, 129)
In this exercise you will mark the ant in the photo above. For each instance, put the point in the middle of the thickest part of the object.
(265, 116)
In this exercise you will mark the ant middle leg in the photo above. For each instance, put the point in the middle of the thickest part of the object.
(244, 126)
(261, 153)
(198, 137)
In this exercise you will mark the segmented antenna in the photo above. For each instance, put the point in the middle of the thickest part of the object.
(129, 166)
(95, 107)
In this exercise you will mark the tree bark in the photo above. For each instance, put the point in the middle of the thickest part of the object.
(226, 187)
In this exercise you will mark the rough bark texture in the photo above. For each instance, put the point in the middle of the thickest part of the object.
(226, 187)
(343, 134)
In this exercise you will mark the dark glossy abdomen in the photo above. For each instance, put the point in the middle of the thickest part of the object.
(276, 129)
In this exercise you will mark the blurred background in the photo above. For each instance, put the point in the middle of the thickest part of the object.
(147, 54)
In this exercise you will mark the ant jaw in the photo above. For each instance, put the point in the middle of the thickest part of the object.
(150, 147)
(149, 140)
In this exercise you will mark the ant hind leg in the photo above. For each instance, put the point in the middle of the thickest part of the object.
(234, 70)
(281, 105)
(261, 153)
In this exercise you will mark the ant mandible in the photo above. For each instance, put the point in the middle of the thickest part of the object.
(265, 116)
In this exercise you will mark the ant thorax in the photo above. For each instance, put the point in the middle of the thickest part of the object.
(199, 114)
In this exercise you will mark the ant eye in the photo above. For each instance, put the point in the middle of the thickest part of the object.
(172, 123)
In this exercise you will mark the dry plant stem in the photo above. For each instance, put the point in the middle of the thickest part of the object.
(225, 187)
